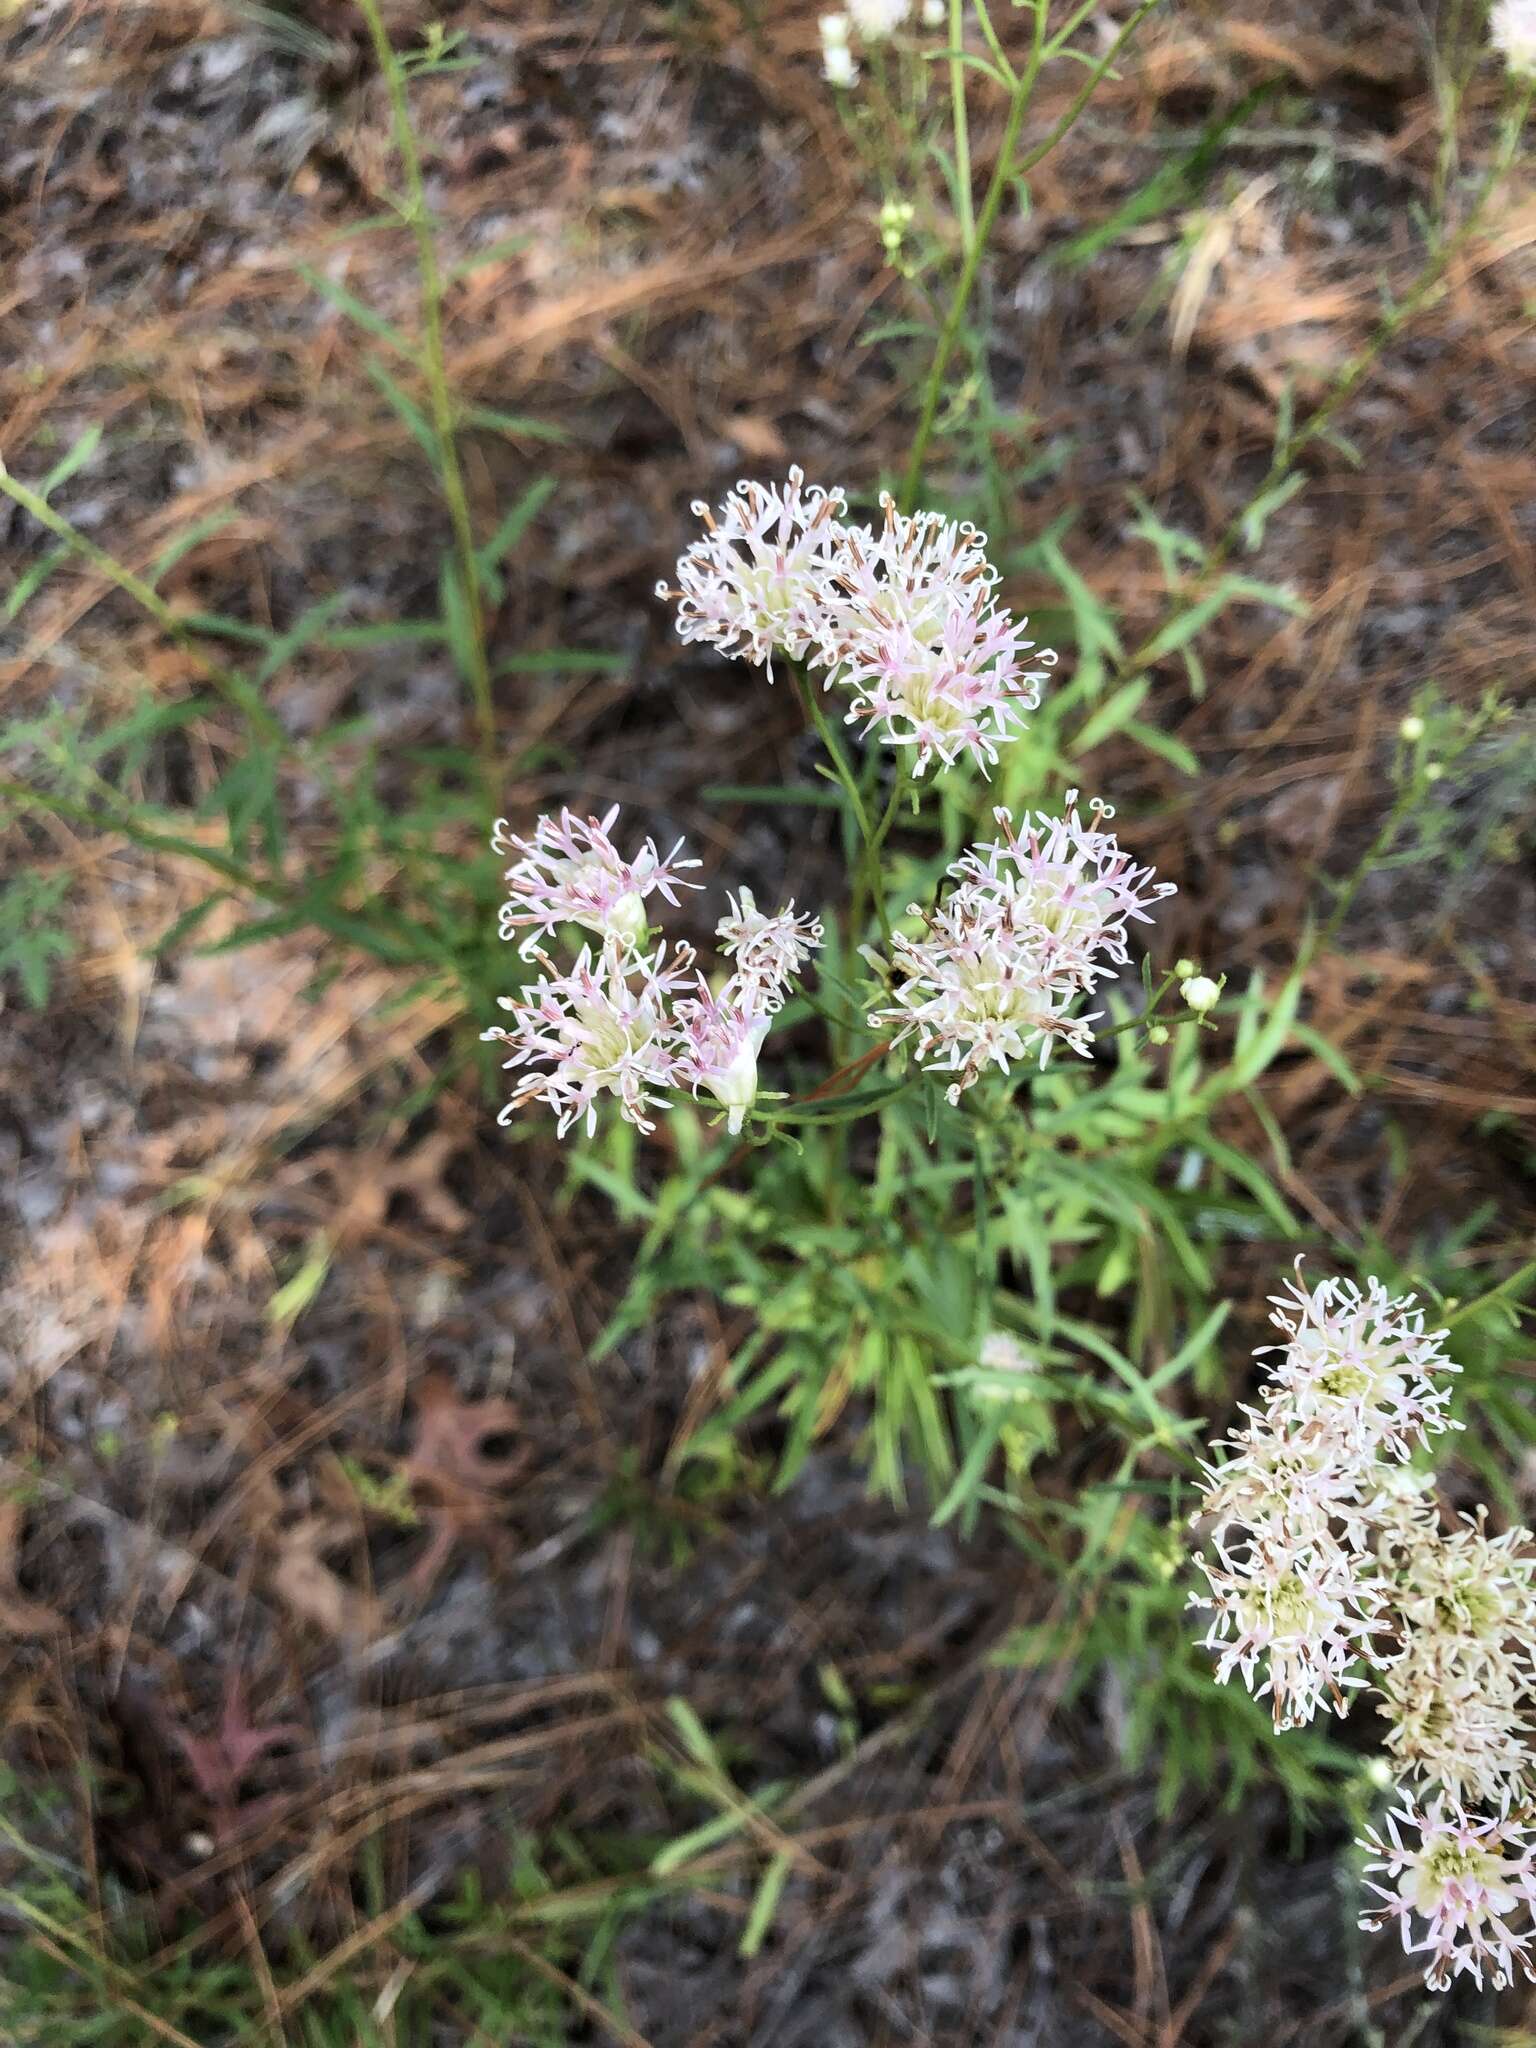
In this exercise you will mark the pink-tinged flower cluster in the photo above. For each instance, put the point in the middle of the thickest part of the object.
(1348, 1396)
(626, 1020)
(767, 952)
(912, 631)
(603, 1028)
(1512, 31)
(1466, 1880)
(570, 872)
(1359, 1365)
(904, 620)
(1331, 1572)
(755, 584)
(1292, 1620)
(1033, 922)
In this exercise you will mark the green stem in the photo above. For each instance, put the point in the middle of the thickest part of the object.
(866, 881)
(434, 369)
(1470, 1308)
(867, 886)
(229, 683)
(961, 125)
(1003, 171)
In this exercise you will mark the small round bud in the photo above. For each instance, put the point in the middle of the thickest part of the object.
(1157, 1034)
(1433, 770)
(1412, 728)
(934, 12)
(1200, 992)
(1184, 969)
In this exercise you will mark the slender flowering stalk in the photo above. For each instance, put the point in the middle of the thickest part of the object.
(1466, 1879)
(570, 872)
(1034, 921)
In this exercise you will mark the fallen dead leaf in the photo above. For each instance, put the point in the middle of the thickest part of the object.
(449, 1462)
(308, 1587)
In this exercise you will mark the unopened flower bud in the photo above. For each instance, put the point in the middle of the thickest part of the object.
(1157, 1034)
(1433, 770)
(934, 12)
(1200, 992)
(1412, 728)
(1184, 969)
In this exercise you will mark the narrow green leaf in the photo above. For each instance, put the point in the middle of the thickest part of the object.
(416, 421)
(76, 459)
(765, 1904)
(363, 316)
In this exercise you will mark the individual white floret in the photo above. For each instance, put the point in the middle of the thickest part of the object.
(877, 19)
(1461, 1725)
(720, 1037)
(1007, 1372)
(570, 872)
(1291, 1623)
(838, 66)
(1474, 1591)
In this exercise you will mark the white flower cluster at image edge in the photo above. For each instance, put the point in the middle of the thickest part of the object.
(1329, 1573)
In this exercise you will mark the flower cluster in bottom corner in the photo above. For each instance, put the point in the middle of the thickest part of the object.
(1330, 1574)
(630, 1017)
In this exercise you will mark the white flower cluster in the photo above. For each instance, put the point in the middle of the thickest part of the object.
(904, 620)
(873, 21)
(626, 1019)
(1512, 31)
(1034, 920)
(1330, 1571)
